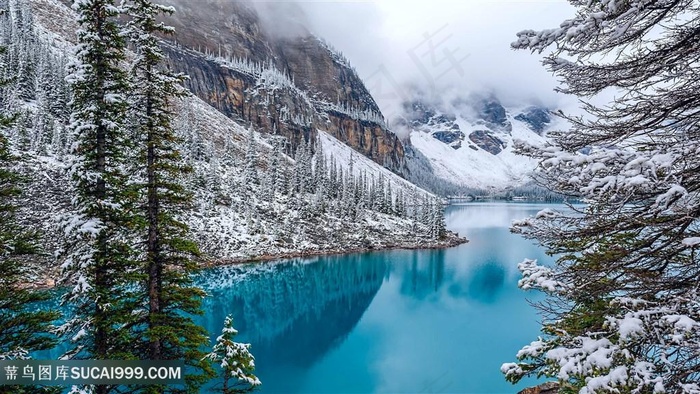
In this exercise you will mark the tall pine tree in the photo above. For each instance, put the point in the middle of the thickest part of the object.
(169, 332)
(101, 261)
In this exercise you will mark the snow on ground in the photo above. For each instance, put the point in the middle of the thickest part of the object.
(479, 169)
(344, 155)
(234, 225)
(232, 218)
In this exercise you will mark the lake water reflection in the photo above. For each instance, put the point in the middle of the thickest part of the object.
(394, 321)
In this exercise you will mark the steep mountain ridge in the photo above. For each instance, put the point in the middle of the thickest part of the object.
(467, 142)
(224, 47)
(220, 49)
(294, 84)
(255, 197)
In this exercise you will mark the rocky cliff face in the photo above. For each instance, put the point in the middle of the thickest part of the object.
(423, 117)
(286, 82)
(468, 142)
(536, 118)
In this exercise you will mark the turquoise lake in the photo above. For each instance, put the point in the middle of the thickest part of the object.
(418, 321)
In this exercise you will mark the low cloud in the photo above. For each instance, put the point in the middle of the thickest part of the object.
(282, 18)
(443, 47)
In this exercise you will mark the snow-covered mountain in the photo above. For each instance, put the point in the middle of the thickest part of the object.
(468, 142)
(293, 188)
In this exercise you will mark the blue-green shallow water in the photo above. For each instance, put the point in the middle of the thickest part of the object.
(392, 321)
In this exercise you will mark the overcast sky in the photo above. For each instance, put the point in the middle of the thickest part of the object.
(463, 44)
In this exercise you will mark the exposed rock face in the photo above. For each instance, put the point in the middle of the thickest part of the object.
(449, 137)
(442, 127)
(484, 140)
(486, 159)
(322, 90)
(493, 113)
(230, 92)
(544, 388)
(369, 138)
(536, 118)
(418, 112)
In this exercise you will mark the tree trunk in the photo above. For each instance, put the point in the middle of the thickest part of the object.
(101, 274)
(155, 265)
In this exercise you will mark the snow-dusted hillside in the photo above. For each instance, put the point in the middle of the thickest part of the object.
(254, 195)
(237, 220)
(351, 160)
(469, 143)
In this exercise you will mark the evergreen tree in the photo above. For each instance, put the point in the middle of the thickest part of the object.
(274, 173)
(282, 183)
(349, 187)
(389, 207)
(58, 142)
(623, 312)
(307, 176)
(101, 260)
(399, 204)
(250, 173)
(25, 52)
(333, 179)
(169, 332)
(297, 175)
(320, 177)
(438, 228)
(24, 326)
(415, 216)
(235, 360)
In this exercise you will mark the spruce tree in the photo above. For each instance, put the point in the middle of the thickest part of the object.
(320, 176)
(274, 171)
(25, 46)
(333, 183)
(24, 326)
(438, 228)
(235, 360)
(250, 173)
(101, 261)
(169, 332)
(623, 310)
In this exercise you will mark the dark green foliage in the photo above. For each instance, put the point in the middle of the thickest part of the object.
(102, 264)
(622, 309)
(24, 326)
(167, 332)
(235, 360)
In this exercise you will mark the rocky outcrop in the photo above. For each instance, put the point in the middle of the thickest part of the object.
(484, 140)
(442, 127)
(230, 91)
(471, 124)
(536, 118)
(544, 388)
(451, 137)
(367, 137)
(494, 114)
(321, 92)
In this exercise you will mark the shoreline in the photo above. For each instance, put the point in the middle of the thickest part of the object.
(452, 240)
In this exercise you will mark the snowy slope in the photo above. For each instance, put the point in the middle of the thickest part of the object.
(471, 145)
(344, 155)
(237, 221)
(479, 169)
(249, 199)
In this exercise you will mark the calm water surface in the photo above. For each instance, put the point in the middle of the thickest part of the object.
(423, 321)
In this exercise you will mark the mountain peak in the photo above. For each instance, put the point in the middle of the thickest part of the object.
(468, 141)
